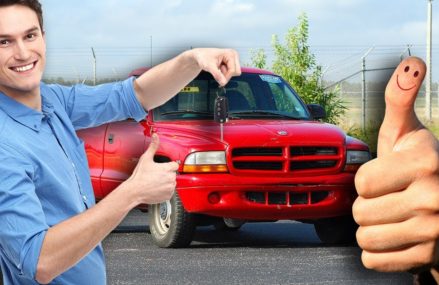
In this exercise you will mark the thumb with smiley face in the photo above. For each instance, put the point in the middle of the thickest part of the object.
(398, 204)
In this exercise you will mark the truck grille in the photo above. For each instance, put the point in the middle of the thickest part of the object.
(287, 198)
(291, 159)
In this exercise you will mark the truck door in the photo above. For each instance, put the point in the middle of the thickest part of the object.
(124, 144)
(94, 147)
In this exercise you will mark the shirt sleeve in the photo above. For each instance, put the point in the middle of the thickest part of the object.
(90, 106)
(23, 225)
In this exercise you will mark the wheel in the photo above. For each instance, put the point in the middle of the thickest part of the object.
(226, 224)
(336, 230)
(170, 225)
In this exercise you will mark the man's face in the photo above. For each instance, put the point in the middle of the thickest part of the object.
(22, 51)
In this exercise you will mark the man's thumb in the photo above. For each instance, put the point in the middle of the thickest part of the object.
(401, 91)
(153, 146)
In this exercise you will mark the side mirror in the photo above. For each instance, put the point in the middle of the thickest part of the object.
(317, 111)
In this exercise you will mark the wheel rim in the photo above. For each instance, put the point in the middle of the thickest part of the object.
(163, 217)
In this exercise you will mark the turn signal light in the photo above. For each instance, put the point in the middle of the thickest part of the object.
(212, 168)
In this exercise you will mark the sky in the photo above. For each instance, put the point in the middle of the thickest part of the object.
(123, 32)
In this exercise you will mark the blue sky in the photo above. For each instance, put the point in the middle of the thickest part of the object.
(341, 31)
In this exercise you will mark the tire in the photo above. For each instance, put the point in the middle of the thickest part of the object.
(338, 230)
(170, 225)
(225, 224)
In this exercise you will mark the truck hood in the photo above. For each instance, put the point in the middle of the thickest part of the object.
(253, 133)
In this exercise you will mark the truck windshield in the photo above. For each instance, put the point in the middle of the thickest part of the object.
(250, 96)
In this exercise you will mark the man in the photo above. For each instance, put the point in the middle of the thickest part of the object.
(50, 227)
(398, 204)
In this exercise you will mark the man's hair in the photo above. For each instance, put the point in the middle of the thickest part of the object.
(32, 4)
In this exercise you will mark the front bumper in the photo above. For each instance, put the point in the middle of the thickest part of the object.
(269, 198)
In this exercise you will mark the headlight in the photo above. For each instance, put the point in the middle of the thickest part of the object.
(355, 158)
(209, 161)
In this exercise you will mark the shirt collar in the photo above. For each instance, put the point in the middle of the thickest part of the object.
(25, 115)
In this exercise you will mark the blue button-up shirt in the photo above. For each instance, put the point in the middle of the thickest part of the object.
(44, 176)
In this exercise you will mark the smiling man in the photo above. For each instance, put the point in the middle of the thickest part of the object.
(51, 228)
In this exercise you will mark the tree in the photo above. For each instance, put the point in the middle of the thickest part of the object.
(258, 58)
(297, 65)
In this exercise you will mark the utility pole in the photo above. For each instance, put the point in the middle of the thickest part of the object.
(428, 63)
(363, 88)
(94, 66)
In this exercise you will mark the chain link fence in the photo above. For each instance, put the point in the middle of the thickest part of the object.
(363, 89)
(360, 73)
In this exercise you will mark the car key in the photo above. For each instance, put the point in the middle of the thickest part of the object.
(221, 112)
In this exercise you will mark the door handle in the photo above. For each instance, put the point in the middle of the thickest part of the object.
(110, 138)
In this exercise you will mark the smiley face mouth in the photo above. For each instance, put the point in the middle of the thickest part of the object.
(402, 88)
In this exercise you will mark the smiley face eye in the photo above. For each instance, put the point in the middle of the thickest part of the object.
(416, 74)
(406, 69)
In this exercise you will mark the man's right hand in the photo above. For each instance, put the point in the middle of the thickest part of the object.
(153, 182)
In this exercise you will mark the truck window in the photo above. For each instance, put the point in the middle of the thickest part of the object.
(251, 96)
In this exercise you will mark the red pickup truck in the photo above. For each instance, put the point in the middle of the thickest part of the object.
(270, 160)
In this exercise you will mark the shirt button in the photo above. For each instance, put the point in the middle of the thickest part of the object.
(84, 198)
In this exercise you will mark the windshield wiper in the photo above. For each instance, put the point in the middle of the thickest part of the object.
(187, 112)
(265, 114)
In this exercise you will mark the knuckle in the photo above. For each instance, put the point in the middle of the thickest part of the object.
(176, 166)
(426, 254)
(361, 181)
(364, 239)
(358, 212)
(428, 193)
(359, 235)
(430, 234)
(429, 230)
(367, 260)
(429, 163)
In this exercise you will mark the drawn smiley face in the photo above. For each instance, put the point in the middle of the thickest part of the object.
(406, 74)
(410, 74)
(405, 82)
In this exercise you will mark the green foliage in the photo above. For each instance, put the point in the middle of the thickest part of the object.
(369, 135)
(297, 65)
(258, 58)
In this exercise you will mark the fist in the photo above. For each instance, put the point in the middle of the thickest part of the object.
(398, 204)
(223, 64)
(153, 182)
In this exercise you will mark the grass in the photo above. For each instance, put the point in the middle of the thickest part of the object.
(369, 135)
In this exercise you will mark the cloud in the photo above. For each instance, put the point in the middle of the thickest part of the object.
(243, 24)
(228, 8)
(323, 4)
(173, 3)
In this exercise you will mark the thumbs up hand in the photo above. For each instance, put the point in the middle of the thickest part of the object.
(398, 204)
(153, 182)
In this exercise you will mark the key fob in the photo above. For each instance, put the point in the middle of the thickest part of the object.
(221, 109)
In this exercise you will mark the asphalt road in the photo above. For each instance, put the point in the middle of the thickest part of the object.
(259, 253)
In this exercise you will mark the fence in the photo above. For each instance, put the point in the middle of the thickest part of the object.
(363, 89)
(361, 73)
